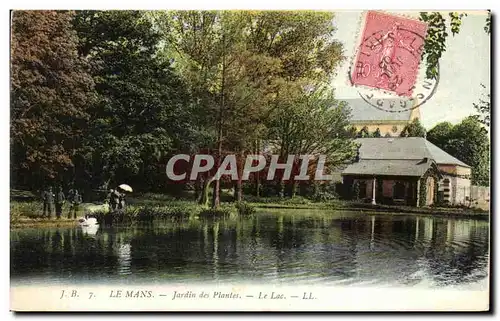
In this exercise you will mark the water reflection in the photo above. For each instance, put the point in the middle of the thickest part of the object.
(340, 248)
(90, 230)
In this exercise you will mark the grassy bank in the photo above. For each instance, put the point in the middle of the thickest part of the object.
(33, 222)
(143, 209)
(376, 209)
(150, 207)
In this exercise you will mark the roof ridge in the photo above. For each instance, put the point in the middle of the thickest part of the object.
(405, 148)
(454, 160)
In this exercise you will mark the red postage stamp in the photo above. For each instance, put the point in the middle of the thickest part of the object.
(389, 54)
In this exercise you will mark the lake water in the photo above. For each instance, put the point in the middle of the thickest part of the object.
(288, 247)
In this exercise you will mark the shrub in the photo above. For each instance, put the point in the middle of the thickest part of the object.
(221, 211)
(297, 200)
(323, 196)
(244, 208)
(27, 209)
(356, 190)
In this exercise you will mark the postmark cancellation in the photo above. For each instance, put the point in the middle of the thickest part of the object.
(388, 53)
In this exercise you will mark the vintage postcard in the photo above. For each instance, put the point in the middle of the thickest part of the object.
(234, 160)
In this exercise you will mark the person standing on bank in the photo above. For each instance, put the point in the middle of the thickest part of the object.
(71, 193)
(75, 203)
(114, 199)
(59, 202)
(48, 201)
(121, 201)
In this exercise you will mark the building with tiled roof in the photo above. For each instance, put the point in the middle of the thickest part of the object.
(408, 170)
(390, 123)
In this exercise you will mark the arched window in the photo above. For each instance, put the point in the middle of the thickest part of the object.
(446, 190)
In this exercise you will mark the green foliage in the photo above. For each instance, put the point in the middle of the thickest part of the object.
(483, 107)
(220, 211)
(32, 210)
(469, 142)
(214, 55)
(434, 42)
(376, 133)
(351, 131)
(26, 209)
(51, 90)
(437, 32)
(356, 190)
(177, 212)
(422, 197)
(245, 208)
(363, 133)
(440, 133)
(456, 21)
(487, 25)
(414, 129)
(121, 91)
(315, 123)
(323, 192)
(138, 94)
(324, 196)
(260, 75)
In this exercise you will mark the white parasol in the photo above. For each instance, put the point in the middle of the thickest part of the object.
(125, 187)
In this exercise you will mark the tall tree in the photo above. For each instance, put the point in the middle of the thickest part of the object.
(244, 62)
(314, 124)
(211, 54)
(440, 134)
(143, 110)
(305, 45)
(51, 90)
(469, 142)
(414, 129)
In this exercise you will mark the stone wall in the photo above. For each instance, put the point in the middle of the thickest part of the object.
(455, 170)
(461, 190)
(457, 191)
(480, 196)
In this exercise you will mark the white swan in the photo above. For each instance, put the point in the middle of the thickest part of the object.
(87, 221)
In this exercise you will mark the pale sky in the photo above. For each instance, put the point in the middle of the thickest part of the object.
(463, 67)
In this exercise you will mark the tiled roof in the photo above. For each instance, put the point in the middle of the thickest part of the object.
(388, 167)
(442, 157)
(404, 148)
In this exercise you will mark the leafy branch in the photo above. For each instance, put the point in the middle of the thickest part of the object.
(437, 33)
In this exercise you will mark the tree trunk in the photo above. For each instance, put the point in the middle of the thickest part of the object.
(197, 189)
(206, 187)
(281, 188)
(257, 177)
(238, 190)
(293, 191)
(216, 194)
(257, 188)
